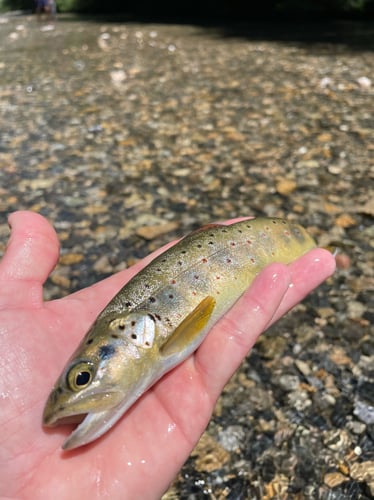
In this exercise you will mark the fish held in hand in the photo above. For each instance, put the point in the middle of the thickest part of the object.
(160, 317)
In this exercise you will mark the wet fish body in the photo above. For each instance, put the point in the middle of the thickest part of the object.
(161, 316)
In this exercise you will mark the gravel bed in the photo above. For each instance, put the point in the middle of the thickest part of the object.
(128, 135)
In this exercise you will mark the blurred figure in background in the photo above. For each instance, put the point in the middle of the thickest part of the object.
(47, 7)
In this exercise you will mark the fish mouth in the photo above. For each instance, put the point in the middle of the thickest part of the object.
(91, 426)
(70, 419)
(92, 423)
(76, 438)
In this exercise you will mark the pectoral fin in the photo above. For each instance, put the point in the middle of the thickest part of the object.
(190, 328)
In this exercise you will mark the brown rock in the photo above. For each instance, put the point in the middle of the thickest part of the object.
(152, 232)
(209, 454)
(343, 261)
(364, 472)
(339, 357)
(332, 479)
(286, 186)
(345, 220)
(71, 258)
(60, 280)
(368, 208)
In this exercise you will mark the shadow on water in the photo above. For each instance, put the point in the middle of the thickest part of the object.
(353, 34)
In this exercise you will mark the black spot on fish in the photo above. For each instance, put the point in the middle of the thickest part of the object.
(152, 317)
(106, 351)
(133, 323)
(157, 316)
(297, 233)
(89, 341)
(128, 304)
(152, 299)
(114, 336)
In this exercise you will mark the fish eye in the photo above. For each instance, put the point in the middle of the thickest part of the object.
(80, 376)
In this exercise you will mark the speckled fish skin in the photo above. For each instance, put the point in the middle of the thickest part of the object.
(161, 316)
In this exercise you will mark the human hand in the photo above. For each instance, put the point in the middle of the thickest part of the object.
(141, 455)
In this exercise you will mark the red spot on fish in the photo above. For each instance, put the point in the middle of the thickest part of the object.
(204, 260)
(173, 282)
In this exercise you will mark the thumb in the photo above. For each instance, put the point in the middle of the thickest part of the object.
(31, 254)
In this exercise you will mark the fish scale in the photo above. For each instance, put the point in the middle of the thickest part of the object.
(161, 316)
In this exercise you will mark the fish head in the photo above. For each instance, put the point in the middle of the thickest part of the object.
(107, 373)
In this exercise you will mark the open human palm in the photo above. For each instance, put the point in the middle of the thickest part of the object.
(142, 454)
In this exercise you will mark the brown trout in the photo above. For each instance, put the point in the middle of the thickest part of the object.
(161, 316)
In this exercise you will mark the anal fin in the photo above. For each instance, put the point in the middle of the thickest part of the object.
(190, 328)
